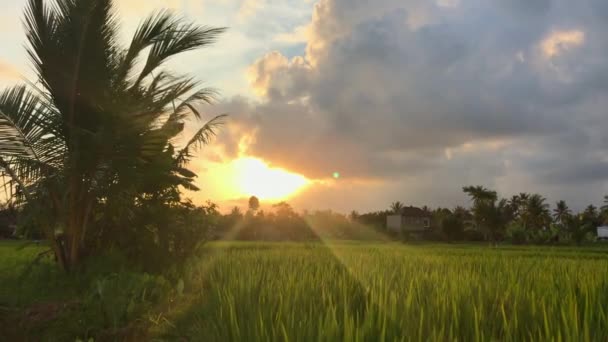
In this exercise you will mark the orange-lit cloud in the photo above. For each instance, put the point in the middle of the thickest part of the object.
(558, 42)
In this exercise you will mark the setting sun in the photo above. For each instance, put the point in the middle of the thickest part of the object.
(255, 178)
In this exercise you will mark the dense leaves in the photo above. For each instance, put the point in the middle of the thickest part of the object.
(93, 142)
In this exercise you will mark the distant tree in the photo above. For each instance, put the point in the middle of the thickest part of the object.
(452, 226)
(426, 209)
(605, 206)
(354, 215)
(590, 216)
(396, 207)
(490, 215)
(462, 213)
(518, 203)
(236, 212)
(254, 203)
(535, 214)
(561, 211)
(578, 227)
(604, 210)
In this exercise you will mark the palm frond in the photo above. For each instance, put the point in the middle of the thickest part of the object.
(201, 137)
(19, 122)
(148, 32)
(178, 37)
(12, 140)
(205, 95)
(41, 24)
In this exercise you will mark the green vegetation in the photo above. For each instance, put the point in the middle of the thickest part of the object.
(315, 291)
(92, 146)
(94, 165)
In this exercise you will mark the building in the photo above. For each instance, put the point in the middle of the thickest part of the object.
(411, 219)
(602, 233)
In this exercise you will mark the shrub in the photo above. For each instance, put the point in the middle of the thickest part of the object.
(516, 234)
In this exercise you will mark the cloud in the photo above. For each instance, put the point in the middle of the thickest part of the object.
(249, 8)
(425, 97)
(560, 41)
(298, 35)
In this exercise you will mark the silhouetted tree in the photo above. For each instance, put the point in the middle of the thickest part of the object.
(396, 207)
(94, 138)
(535, 214)
(489, 215)
(561, 211)
(236, 212)
(590, 216)
(254, 203)
(452, 226)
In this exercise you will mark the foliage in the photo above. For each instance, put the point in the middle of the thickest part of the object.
(453, 227)
(254, 203)
(396, 207)
(516, 234)
(490, 215)
(40, 302)
(158, 235)
(96, 134)
(282, 224)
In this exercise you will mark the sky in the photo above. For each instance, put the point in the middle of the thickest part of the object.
(354, 104)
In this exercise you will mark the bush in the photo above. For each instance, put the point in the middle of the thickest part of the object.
(123, 297)
(473, 235)
(453, 227)
(159, 236)
(516, 234)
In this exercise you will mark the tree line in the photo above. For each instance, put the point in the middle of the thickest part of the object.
(523, 218)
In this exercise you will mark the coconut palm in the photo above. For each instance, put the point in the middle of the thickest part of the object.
(590, 216)
(518, 202)
(604, 210)
(396, 207)
(535, 214)
(490, 215)
(101, 123)
(561, 211)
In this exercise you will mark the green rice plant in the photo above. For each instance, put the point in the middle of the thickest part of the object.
(393, 292)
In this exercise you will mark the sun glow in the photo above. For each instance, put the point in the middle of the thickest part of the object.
(255, 178)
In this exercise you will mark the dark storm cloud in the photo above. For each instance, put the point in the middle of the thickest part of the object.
(389, 89)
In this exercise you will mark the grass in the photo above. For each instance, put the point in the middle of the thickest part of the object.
(344, 291)
(387, 292)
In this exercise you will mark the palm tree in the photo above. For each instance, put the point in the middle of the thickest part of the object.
(480, 194)
(254, 203)
(590, 216)
(490, 215)
(518, 202)
(95, 128)
(604, 210)
(396, 207)
(536, 214)
(561, 211)
(605, 206)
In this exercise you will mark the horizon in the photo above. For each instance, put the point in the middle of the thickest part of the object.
(516, 106)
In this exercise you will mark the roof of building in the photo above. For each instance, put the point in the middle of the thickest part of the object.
(414, 212)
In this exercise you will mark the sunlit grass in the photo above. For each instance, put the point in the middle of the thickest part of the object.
(303, 292)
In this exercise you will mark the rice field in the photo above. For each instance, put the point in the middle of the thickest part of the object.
(394, 292)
